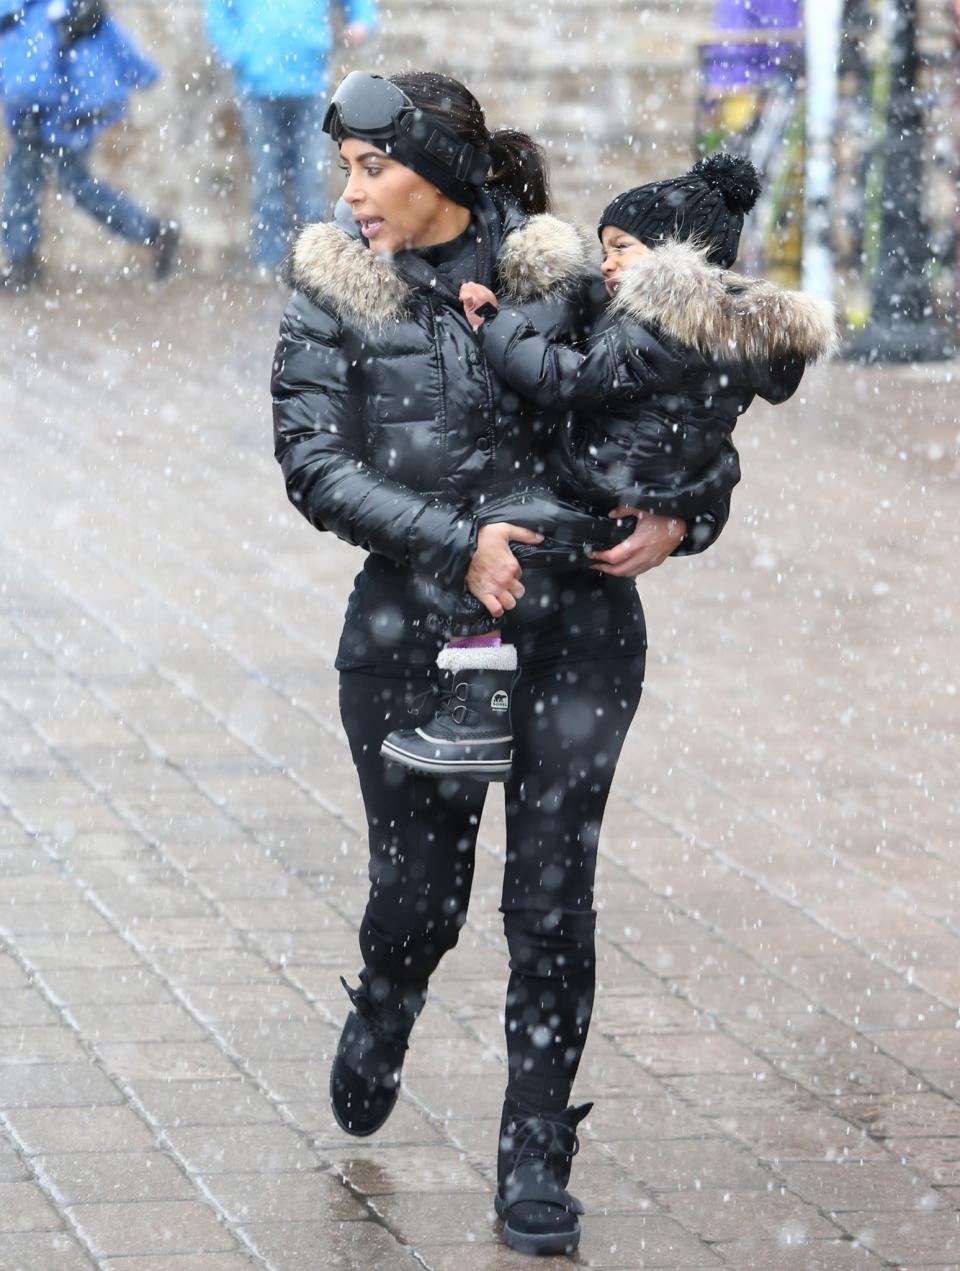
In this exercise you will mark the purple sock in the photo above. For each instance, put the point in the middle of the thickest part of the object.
(474, 642)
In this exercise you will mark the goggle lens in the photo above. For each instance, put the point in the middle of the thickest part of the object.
(364, 103)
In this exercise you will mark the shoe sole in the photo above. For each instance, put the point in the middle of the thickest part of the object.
(483, 770)
(360, 1134)
(536, 1246)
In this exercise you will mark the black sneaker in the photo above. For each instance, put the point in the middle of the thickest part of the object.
(164, 245)
(533, 1169)
(365, 1077)
(470, 734)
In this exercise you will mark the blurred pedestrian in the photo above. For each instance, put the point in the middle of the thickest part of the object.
(279, 55)
(66, 74)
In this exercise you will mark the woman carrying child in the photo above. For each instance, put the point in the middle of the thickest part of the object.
(678, 355)
(394, 433)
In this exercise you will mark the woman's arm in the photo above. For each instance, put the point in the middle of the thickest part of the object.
(705, 529)
(319, 443)
(697, 493)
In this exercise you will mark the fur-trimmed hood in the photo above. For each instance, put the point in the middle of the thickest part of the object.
(723, 315)
(541, 257)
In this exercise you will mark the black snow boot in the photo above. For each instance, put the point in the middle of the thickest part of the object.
(165, 245)
(470, 734)
(365, 1077)
(533, 1169)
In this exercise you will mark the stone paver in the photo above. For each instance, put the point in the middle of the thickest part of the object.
(774, 1054)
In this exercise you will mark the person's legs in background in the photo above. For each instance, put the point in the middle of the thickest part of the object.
(23, 181)
(265, 121)
(116, 211)
(312, 151)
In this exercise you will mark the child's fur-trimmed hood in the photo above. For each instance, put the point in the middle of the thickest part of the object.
(541, 257)
(723, 315)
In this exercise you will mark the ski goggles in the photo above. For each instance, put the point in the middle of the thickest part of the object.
(372, 109)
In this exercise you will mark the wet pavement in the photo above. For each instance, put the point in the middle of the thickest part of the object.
(774, 1055)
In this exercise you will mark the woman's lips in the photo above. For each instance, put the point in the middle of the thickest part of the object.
(370, 226)
(612, 285)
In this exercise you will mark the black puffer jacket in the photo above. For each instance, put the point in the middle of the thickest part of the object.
(388, 423)
(678, 356)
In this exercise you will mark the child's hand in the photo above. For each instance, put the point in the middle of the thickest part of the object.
(472, 296)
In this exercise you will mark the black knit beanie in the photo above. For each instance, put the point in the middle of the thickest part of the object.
(708, 205)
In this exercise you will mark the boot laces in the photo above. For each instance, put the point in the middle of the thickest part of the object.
(420, 701)
(367, 1011)
(543, 1138)
(450, 702)
(453, 703)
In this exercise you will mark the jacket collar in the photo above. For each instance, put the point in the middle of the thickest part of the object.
(720, 314)
(541, 256)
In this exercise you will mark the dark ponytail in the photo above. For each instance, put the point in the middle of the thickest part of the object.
(519, 164)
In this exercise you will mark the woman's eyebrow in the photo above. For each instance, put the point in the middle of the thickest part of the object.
(371, 154)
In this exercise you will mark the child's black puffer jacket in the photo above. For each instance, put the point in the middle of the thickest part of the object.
(677, 356)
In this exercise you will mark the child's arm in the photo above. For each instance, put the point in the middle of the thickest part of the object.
(553, 374)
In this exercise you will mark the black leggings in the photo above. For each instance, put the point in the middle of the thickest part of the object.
(569, 722)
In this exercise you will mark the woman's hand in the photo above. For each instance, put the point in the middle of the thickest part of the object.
(472, 296)
(647, 547)
(494, 573)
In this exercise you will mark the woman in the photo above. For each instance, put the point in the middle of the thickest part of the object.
(392, 432)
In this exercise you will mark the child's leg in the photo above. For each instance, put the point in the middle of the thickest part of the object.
(468, 733)
(491, 641)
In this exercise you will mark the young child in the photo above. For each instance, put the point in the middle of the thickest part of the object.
(676, 357)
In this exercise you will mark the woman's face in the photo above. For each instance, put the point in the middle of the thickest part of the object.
(396, 208)
(620, 250)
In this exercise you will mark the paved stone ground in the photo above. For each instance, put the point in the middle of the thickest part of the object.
(775, 1052)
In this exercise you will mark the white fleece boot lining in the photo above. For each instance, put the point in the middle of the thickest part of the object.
(503, 658)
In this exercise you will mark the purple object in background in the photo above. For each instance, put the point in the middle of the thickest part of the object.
(756, 15)
(745, 65)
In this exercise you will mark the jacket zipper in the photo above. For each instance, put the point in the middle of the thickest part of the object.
(491, 420)
(442, 394)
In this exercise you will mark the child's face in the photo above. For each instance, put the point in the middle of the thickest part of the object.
(620, 250)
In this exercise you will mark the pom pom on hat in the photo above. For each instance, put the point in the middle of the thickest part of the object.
(734, 176)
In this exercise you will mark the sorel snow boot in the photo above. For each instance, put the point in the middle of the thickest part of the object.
(533, 1169)
(365, 1077)
(470, 734)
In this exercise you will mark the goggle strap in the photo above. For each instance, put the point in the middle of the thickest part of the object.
(442, 145)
